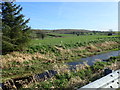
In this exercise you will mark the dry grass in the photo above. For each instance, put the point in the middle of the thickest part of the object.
(61, 68)
(98, 47)
(75, 81)
(81, 48)
(85, 50)
(21, 57)
(92, 48)
(114, 66)
(64, 52)
(81, 66)
(50, 57)
(58, 48)
(107, 44)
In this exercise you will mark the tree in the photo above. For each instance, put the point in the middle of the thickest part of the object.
(40, 34)
(16, 33)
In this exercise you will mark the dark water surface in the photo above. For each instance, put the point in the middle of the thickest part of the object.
(90, 60)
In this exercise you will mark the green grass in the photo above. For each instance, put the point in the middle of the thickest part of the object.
(25, 69)
(47, 45)
(64, 40)
(62, 80)
(114, 36)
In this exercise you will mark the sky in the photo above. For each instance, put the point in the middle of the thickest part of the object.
(100, 16)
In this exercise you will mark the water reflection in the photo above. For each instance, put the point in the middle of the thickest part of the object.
(91, 60)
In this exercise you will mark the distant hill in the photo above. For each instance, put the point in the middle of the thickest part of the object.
(66, 32)
(63, 31)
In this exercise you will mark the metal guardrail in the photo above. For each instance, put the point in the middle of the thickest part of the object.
(111, 80)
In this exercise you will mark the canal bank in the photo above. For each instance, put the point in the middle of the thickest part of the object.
(21, 82)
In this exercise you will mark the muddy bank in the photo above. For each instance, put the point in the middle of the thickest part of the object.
(24, 81)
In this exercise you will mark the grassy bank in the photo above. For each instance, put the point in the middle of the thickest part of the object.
(71, 48)
(80, 77)
(40, 57)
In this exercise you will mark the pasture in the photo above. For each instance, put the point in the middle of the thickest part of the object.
(69, 40)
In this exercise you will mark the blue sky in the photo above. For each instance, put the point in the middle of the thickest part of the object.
(71, 15)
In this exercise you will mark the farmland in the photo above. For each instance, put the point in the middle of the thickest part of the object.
(70, 40)
(52, 52)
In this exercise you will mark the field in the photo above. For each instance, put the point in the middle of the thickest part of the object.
(69, 40)
(51, 53)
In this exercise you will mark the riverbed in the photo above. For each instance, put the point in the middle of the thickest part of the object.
(92, 59)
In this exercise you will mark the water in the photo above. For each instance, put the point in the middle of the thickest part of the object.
(91, 60)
